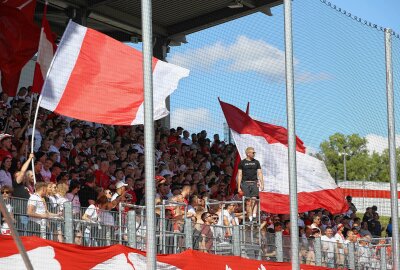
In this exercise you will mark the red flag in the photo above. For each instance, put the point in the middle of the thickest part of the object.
(99, 79)
(316, 187)
(47, 48)
(18, 41)
(233, 183)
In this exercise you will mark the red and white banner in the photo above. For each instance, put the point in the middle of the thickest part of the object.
(316, 188)
(47, 48)
(99, 79)
(49, 255)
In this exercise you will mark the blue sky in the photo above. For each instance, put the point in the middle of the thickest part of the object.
(339, 71)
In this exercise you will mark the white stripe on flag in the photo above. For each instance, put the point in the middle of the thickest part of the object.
(61, 67)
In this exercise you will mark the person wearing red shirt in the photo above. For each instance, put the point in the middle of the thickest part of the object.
(286, 231)
(6, 145)
(102, 177)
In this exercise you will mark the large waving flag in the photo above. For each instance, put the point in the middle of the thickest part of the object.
(96, 78)
(49, 255)
(19, 38)
(316, 187)
(47, 48)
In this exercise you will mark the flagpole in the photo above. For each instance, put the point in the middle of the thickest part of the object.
(33, 137)
(392, 147)
(294, 234)
(149, 133)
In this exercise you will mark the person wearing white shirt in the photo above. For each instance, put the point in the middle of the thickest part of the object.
(328, 247)
(340, 241)
(37, 210)
(186, 139)
(58, 142)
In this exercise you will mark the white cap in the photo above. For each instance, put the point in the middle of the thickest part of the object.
(120, 184)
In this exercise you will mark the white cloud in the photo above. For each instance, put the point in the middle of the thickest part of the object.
(244, 55)
(379, 143)
(191, 118)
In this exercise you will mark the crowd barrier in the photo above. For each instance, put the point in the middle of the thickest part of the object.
(127, 226)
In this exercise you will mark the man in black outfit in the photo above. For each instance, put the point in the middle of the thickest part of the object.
(88, 194)
(250, 179)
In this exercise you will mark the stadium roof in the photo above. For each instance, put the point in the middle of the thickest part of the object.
(172, 19)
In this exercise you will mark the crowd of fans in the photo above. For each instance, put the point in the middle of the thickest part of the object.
(98, 166)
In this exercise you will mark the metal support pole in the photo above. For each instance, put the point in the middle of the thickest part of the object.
(149, 134)
(188, 233)
(352, 256)
(236, 240)
(132, 229)
(382, 254)
(69, 223)
(392, 148)
(294, 230)
(15, 235)
(279, 246)
(318, 251)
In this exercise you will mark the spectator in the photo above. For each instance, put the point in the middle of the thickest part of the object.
(6, 192)
(88, 194)
(92, 215)
(328, 247)
(5, 175)
(206, 232)
(389, 228)
(375, 226)
(45, 171)
(37, 209)
(364, 229)
(73, 197)
(352, 207)
(340, 240)
(229, 218)
(6, 145)
(120, 192)
(316, 223)
(102, 177)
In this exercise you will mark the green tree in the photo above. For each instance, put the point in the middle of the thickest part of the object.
(353, 148)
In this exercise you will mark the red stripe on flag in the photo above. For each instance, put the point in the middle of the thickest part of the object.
(360, 193)
(124, 66)
(327, 199)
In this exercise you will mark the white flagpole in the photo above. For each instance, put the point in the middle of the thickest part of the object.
(33, 137)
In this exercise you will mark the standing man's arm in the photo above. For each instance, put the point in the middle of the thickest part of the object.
(260, 179)
(239, 177)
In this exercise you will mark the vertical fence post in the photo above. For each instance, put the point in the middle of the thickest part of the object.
(382, 254)
(318, 251)
(352, 256)
(68, 223)
(132, 229)
(120, 223)
(188, 234)
(392, 148)
(236, 241)
(279, 246)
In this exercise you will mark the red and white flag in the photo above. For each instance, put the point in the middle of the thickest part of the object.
(49, 255)
(316, 188)
(47, 48)
(99, 79)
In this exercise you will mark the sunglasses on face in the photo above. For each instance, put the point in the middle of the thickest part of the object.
(5, 192)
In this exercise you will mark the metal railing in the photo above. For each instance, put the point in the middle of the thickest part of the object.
(127, 226)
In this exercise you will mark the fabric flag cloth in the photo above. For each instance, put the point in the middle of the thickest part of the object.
(233, 182)
(96, 78)
(19, 38)
(47, 48)
(316, 187)
(49, 255)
